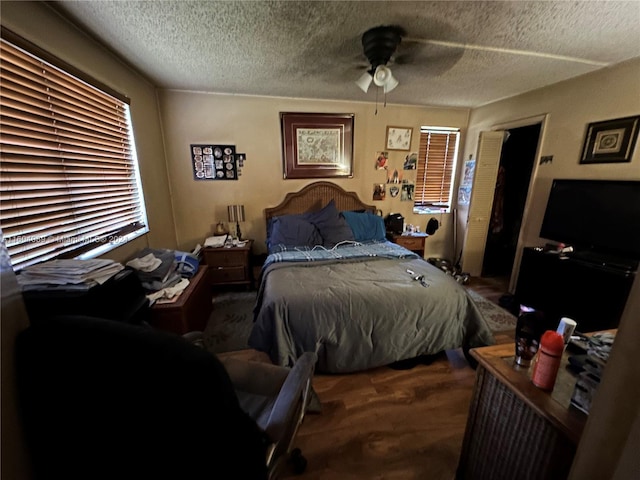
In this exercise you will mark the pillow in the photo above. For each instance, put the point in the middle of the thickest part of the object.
(365, 226)
(293, 231)
(332, 226)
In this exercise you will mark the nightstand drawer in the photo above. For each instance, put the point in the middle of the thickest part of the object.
(227, 274)
(411, 243)
(229, 266)
(225, 258)
(414, 242)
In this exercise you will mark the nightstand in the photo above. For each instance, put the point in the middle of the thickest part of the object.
(413, 242)
(229, 265)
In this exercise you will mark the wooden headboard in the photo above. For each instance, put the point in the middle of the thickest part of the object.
(315, 196)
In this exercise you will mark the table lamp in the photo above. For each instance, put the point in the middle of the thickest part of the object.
(236, 214)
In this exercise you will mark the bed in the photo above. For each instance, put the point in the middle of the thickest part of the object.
(333, 284)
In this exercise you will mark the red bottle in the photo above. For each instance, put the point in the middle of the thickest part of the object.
(546, 367)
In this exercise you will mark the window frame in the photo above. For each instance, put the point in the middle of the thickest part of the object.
(80, 145)
(447, 163)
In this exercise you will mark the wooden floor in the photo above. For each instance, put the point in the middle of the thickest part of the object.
(392, 424)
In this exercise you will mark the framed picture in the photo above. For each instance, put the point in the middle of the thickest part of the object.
(317, 145)
(610, 141)
(214, 162)
(399, 138)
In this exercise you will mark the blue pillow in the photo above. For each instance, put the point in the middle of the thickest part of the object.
(365, 226)
(293, 231)
(332, 226)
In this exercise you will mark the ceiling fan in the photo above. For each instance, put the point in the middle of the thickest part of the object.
(379, 44)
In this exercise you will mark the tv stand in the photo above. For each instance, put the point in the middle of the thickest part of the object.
(604, 260)
(592, 291)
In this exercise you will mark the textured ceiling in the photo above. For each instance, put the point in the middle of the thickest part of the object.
(313, 49)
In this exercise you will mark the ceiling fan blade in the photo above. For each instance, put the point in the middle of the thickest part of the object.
(511, 51)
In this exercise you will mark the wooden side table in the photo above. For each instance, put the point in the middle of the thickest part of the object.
(514, 429)
(190, 311)
(413, 242)
(229, 265)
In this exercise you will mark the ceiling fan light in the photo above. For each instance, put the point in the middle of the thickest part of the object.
(364, 81)
(391, 83)
(381, 75)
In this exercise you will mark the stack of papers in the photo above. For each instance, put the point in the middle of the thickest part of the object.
(216, 241)
(68, 274)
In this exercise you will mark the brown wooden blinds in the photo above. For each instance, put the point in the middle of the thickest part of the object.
(436, 160)
(69, 176)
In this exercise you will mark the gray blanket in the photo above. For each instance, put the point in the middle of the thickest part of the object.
(361, 313)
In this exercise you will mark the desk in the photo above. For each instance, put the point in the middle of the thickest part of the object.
(514, 429)
(190, 311)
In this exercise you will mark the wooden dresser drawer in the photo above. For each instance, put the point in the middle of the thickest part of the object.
(411, 243)
(225, 258)
(229, 266)
(414, 242)
(227, 274)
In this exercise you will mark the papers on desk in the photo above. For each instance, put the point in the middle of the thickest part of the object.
(216, 241)
(68, 274)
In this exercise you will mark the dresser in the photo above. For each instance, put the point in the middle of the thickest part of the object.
(229, 265)
(514, 429)
(188, 312)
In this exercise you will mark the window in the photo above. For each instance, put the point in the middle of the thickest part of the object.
(70, 184)
(436, 164)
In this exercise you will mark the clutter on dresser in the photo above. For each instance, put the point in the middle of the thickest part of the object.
(216, 241)
(590, 365)
(163, 273)
(92, 288)
(66, 275)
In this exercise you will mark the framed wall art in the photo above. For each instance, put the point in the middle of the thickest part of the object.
(399, 138)
(317, 145)
(610, 141)
(214, 162)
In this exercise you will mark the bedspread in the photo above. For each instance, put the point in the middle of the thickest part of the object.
(359, 307)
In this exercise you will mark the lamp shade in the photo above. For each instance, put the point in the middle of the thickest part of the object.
(236, 213)
(364, 81)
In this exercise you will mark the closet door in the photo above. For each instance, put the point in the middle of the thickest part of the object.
(481, 203)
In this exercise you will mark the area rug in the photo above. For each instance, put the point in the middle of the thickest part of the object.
(499, 319)
(231, 320)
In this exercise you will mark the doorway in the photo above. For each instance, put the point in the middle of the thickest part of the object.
(512, 188)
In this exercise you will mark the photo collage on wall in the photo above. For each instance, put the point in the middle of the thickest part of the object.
(398, 186)
(216, 162)
(464, 190)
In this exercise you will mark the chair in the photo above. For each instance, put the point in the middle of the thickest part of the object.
(104, 399)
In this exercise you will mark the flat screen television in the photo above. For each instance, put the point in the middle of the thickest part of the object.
(602, 216)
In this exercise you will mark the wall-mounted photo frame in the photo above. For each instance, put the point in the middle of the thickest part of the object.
(610, 141)
(214, 162)
(317, 145)
(399, 138)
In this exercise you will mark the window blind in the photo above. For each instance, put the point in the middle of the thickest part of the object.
(69, 180)
(436, 162)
